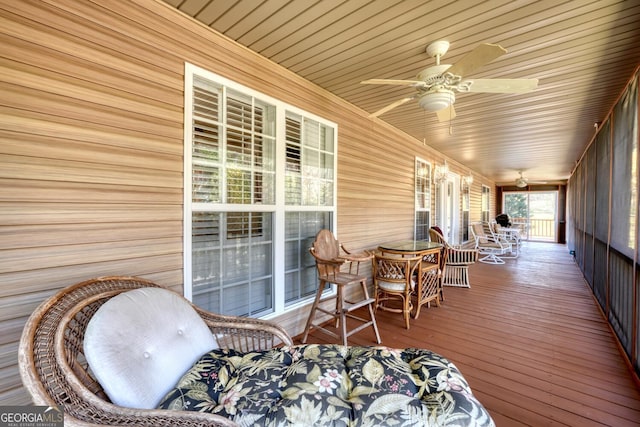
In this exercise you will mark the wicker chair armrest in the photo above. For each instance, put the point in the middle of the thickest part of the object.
(243, 333)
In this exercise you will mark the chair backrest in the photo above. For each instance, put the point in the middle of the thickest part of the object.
(438, 229)
(326, 246)
(478, 232)
(497, 230)
(488, 229)
(393, 272)
(436, 236)
(326, 251)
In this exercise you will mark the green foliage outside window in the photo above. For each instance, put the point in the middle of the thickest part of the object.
(516, 206)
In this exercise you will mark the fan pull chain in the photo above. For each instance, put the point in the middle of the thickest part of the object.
(424, 121)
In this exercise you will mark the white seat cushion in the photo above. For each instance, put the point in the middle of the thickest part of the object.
(140, 342)
(394, 286)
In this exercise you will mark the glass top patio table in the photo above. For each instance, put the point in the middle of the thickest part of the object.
(410, 246)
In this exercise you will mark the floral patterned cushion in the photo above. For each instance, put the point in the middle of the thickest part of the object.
(329, 385)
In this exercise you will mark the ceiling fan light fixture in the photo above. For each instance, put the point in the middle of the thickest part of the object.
(437, 100)
(435, 85)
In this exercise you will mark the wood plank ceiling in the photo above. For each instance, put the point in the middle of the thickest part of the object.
(583, 53)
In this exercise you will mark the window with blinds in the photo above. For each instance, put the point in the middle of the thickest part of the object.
(309, 178)
(310, 162)
(231, 146)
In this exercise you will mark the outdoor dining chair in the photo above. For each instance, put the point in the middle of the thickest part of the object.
(456, 261)
(394, 282)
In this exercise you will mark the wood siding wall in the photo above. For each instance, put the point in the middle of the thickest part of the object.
(91, 153)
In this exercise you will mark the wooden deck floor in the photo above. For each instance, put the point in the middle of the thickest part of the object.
(530, 340)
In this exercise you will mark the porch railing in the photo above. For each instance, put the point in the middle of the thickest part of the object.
(536, 229)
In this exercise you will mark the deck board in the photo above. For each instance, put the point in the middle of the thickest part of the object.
(531, 341)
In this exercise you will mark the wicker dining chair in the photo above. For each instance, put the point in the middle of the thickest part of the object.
(55, 372)
(394, 280)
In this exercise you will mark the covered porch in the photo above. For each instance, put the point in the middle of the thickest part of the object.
(530, 339)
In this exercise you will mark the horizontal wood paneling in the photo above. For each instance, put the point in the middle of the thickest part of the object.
(91, 124)
(79, 129)
(91, 153)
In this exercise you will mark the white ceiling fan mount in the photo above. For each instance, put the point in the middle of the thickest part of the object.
(436, 85)
(438, 49)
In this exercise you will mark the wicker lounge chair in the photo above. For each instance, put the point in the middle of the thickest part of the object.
(55, 373)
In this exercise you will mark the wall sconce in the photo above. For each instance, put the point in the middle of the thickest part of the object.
(467, 180)
(440, 173)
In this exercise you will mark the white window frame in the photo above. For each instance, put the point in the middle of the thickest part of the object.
(485, 205)
(422, 170)
(279, 209)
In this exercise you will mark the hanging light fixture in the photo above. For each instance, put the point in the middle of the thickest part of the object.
(440, 173)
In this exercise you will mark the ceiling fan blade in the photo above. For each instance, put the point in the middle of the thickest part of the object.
(446, 114)
(392, 82)
(391, 106)
(482, 54)
(502, 85)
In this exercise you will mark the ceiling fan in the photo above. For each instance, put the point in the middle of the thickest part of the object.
(522, 182)
(436, 85)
